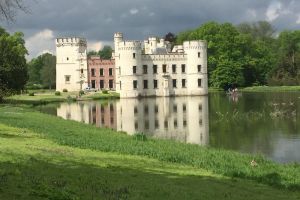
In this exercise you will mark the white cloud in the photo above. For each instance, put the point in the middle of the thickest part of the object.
(41, 42)
(97, 45)
(298, 19)
(273, 11)
(134, 11)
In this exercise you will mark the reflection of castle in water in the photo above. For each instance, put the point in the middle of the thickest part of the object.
(182, 119)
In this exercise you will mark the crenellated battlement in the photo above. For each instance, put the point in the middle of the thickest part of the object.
(65, 41)
(129, 45)
(195, 45)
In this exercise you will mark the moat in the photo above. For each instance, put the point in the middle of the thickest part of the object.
(260, 123)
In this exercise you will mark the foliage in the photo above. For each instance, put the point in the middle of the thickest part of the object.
(57, 93)
(104, 91)
(104, 53)
(65, 90)
(287, 71)
(31, 94)
(227, 163)
(42, 70)
(13, 68)
(81, 92)
(241, 56)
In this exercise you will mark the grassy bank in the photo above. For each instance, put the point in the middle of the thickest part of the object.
(218, 162)
(41, 96)
(33, 166)
(272, 89)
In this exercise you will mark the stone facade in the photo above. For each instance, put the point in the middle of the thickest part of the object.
(101, 73)
(153, 69)
(71, 64)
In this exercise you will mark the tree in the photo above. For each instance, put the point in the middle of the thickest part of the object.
(170, 37)
(105, 52)
(8, 9)
(13, 69)
(48, 72)
(42, 71)
(287, 71)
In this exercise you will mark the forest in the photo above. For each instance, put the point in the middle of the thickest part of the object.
(248, 54)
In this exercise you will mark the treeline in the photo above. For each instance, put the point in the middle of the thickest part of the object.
(248, 54)
(42, 72)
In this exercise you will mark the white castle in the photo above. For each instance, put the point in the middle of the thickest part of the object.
(71, 64)
(151, 68)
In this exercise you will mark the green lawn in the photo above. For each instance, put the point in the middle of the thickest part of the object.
(45, 157)
(41, 96)
(271, 89)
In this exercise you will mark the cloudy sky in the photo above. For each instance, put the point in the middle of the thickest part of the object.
(97, 20)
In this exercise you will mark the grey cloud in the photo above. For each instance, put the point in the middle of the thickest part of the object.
(97, 20)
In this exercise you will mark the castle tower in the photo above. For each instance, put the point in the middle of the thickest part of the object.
(196, 52)
(128, 56)
(71, 64)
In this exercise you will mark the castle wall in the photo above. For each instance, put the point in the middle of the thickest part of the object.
(191, 81)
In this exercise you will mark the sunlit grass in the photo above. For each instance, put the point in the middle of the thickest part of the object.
(222, 162)
(34, 167)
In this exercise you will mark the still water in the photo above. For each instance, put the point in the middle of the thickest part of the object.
(260, 123)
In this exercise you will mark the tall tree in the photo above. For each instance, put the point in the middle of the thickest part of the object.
(287, 71)
(13, 69)
(48, 72)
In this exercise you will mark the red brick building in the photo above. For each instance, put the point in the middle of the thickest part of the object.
(101, 73)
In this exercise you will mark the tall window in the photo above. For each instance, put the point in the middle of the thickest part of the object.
(145, 84)
(198, 54)
(81, 71)
(133, 55)
(101, 84)
(199, 83)
(135, 85)
(92, 72)
(199, 68)
(155, 84)
(164, 68)
(110, 71)
(154, 69)
(174, 83)
(111, 84)
(134, 69)
(145, 69)
(183, 68)
(174, 69)
(101, 72)
(183, 82)
(93, 83)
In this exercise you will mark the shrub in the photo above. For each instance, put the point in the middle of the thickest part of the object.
(104, 91)
(31, 94)
(65, 90)
(57, 93)
(81, 92)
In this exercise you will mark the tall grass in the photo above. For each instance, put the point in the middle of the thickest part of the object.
(84, 136)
